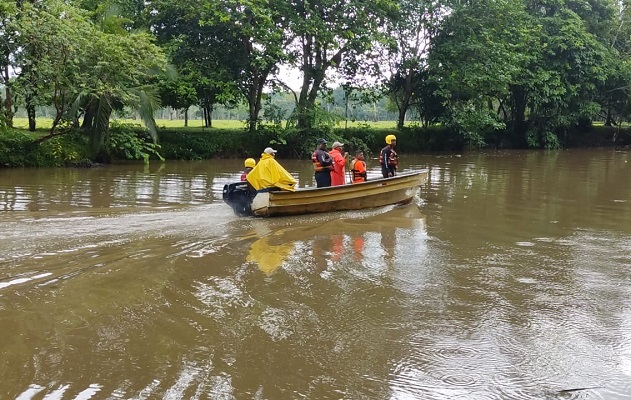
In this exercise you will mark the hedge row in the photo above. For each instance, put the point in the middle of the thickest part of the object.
(18, 147)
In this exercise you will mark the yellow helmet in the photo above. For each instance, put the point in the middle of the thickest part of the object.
(390, 138)
(250, 162)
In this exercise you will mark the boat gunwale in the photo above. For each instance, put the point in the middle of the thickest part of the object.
(348, 186)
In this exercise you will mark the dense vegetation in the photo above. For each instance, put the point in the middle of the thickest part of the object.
(454, 74)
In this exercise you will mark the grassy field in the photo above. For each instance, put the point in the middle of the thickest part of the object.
(45, 123)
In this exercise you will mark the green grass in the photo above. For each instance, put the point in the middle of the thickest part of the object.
(370, 124)
(42, 123)
(45, 123)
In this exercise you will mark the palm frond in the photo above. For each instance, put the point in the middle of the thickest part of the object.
(101, 122)
(149, 103)
(79, 102)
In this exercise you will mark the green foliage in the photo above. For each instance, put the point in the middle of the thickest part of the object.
(321, 118)
(409, 86)
(273, 135)
(178, 93)
(61, 151)
(70, 62)
(537, 138)
(471, 123)
(191, 144)
(539, 67)
(273, 113)
(206, 55)
(419, 139)
(14, 148)
(254, 38)
(334, 38)
(18, 149)
(131, 143)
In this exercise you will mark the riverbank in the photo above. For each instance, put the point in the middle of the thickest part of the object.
(131, 142)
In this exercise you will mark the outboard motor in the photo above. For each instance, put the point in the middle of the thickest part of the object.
(239, 197)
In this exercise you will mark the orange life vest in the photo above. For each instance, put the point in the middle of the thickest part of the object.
(358, 169)
(317, 166)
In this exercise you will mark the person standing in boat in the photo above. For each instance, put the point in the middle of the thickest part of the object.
(249, 164)
(339, 164)
(269, 174)
(358, 168)
(388, 158)
(323, 164)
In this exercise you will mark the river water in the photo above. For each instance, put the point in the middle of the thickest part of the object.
(509, 277)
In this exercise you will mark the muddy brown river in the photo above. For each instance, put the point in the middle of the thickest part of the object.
(508, 277)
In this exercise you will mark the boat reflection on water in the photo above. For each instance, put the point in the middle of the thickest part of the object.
(352, 237)
(269, 252)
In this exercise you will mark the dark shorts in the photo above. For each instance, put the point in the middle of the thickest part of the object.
(323, 178)
(385, 171)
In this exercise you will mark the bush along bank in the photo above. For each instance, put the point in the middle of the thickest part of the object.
(208, 143)
(19, 148)
(198, 144)
(76, 148)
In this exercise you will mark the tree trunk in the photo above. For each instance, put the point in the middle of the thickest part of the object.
(186, 116)
(30, 112)
(609, 118)
(345, 110)
(255, 95)
(314, 67)
(88, 116)
(302, 120)
(252, 112)
(519, 98)
(8, 100)
(407, 96)
(207, 108)
(401, 120)
(308, 96)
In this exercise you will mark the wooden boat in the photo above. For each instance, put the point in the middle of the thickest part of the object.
(373, 193)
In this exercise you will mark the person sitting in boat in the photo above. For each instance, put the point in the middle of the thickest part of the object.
(339, 164)
(323, 164)
(388, 158)
(249, 164)
(269, 174)
(358, 168)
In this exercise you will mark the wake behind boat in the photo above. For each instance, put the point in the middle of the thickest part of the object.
(399, 189)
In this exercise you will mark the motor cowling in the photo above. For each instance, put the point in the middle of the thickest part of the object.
(238, 196)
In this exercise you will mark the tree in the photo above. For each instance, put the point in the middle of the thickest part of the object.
(614, 94)
(480, 50)
(561, 84)
(327, 33)
(178, 93)
(204, 55)
(405, 59)
(533, 60)
(8, 14)
(73, 63)
(259, 29)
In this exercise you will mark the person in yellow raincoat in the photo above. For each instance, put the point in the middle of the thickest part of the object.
(268, 173)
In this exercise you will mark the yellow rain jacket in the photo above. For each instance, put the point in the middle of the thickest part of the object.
(269, 173)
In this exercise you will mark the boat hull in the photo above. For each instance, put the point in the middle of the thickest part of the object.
(375, 193)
